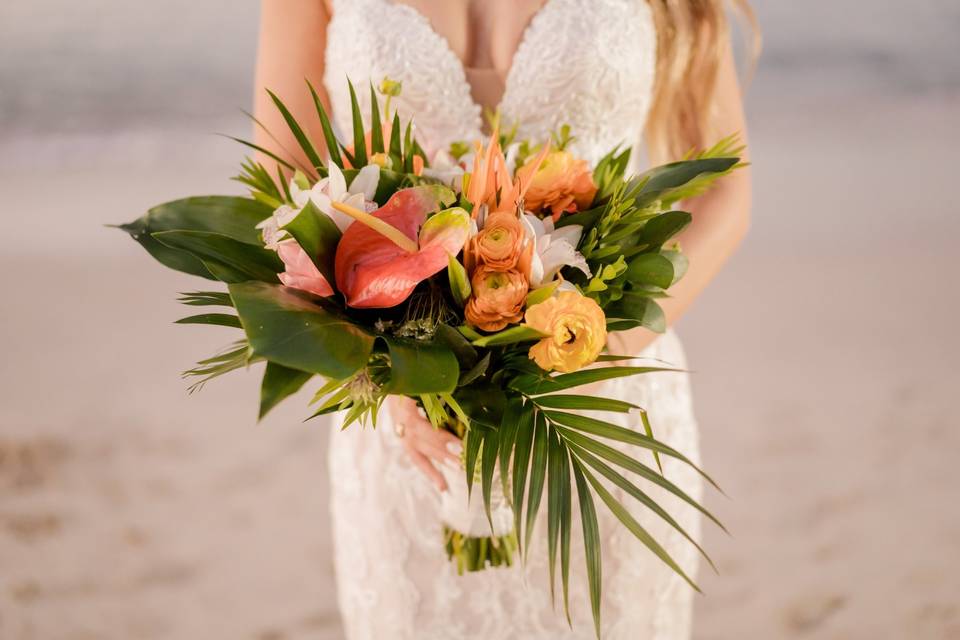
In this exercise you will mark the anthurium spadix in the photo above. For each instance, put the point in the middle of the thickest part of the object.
(380, 261)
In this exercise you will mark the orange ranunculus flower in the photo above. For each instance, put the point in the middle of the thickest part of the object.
(577, 331)
(501, 242)
(562, 184)
(497, 298)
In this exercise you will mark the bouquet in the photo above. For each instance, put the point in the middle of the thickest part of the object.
(481, 281)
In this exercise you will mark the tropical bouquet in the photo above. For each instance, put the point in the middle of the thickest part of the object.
(480, 280)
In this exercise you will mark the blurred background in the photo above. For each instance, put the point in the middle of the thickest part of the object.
(825, 355)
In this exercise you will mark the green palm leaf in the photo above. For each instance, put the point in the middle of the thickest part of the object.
(631, 523)
(521, 464)
(621, 434)
(632, 490)
(538, 474)
(623, 460)
(591, 543)
(298, 133)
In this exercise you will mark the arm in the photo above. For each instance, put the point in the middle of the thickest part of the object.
(721, 217)
(292, 45)
(290, 50)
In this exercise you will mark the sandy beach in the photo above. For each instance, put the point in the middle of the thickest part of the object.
(825, 381)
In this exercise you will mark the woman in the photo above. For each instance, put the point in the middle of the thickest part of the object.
(616, 71)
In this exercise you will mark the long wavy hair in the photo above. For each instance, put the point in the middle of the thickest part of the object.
(692, 38)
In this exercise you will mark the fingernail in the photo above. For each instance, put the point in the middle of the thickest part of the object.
(455, 448)
(452, 464)
(422, 413)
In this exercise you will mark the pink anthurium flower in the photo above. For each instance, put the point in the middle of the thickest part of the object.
(374, 271)
(300, 272)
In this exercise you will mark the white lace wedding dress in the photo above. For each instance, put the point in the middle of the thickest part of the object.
(589, 64)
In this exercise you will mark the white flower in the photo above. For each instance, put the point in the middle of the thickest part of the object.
(555, 249)
(333, 188)
(445, 168)
(270, 228)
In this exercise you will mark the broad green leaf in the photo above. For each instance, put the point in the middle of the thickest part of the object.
(219, 319)
(240, 261)
(661, 228)
(459, 281)
(536, 385)
(279, 382)
(584, 403)
(640, 310)
(289, 328)
(318, 235)
(421, 367)
(632, 490)
(621, 459)
(591, 543)
(228, 215)
(359, 134)
(651, 268)
(301, 137)
(461, 347)
(538, 474)
(513, 335)
(632, 525)
(680, 264)
(521, 465)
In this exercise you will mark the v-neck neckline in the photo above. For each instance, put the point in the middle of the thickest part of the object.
(515, 61)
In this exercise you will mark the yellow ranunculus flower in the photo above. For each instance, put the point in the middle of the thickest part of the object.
(577, 331)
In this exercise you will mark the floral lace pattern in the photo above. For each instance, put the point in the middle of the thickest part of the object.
(601, 87)
(589, 64)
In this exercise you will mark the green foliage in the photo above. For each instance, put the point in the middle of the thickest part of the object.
(279, 382)
(295, 330)
(228, 216)
(418, 367)
(459, 281)
(227, 259)
(317, 234)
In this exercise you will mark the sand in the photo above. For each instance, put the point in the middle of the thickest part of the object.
(825, 387)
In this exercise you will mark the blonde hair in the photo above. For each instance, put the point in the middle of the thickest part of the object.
(692, 37)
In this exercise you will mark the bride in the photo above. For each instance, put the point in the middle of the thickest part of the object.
(658, 75)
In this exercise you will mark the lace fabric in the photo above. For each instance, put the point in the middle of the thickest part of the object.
(586, 63)
(589, 64)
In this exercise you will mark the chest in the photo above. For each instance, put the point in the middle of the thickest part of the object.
(586, 63)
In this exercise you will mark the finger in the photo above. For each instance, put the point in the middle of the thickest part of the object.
(423, 463)
(442, 446)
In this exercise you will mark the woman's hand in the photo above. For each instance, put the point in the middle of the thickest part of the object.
(426, 446)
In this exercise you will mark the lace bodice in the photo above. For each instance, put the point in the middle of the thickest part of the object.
(586, 63)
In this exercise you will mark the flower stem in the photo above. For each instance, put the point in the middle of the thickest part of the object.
(383, 228)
